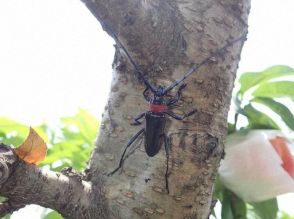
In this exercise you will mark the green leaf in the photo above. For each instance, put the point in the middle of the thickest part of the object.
(251, 79)
(86, 124)
(13, 132)
(279, 108)
(232, 206)
(231, 128)
(53, 215)
(227, 212)
(275, 89)
(284, 215)
(267, 209)
(259, 120)
(70, 147)
(64, 149)
(8, 125)
(8, 216)
(14, 140)
(238, 207)
(219, 189)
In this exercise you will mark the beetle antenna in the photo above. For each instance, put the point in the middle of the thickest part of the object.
(195, 67)
(139, 73)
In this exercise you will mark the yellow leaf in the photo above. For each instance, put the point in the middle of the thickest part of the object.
(33, 150)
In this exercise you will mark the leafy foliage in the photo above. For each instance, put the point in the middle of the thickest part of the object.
(53, 215)
(279, 108)
(70, 144)
(73, 145)
(232, 206)
(259, 90)
(286, 216)
(267, 209)
(257, 100)
(251, 79)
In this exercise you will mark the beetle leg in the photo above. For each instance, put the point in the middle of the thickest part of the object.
(147, 98)
(172, 101)
(131, 141)
(137, 118)
(180, 117)
(166, 147)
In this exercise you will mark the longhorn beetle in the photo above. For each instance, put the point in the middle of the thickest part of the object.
(155, 117)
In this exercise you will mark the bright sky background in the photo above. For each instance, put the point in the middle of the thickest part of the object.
(54, 57)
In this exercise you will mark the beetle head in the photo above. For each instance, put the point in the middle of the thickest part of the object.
(158, 95)
(159, 91)
(157, 100)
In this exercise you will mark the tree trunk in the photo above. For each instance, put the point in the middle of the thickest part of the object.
(165, 39)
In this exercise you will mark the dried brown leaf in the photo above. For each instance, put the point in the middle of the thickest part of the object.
(33, 150)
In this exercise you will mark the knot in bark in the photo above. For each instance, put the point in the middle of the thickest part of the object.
(7, 159)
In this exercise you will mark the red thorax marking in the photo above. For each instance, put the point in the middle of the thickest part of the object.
(157, 108)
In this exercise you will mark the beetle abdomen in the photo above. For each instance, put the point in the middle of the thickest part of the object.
(154, 129)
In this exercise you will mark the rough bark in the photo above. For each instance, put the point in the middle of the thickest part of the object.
(165, 38)
(65, 192)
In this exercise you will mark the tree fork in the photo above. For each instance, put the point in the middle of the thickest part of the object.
(67, 193)
(165, 38)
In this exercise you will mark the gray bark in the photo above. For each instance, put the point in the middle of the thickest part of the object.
(67, 192)
(165, 38)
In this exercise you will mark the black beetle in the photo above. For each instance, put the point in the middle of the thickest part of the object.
(155, 117)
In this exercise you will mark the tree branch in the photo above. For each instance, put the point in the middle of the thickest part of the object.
(24, 184)
(9, 207)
